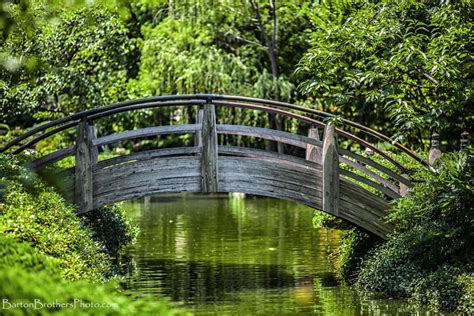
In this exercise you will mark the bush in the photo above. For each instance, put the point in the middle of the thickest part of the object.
(429, 257)
(28, 276)
(111, 227)
(32, 212)
(43, 219)
(16, 254)
(355, 247)
(321, 219)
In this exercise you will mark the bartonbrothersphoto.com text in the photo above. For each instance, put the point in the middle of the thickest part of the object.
(39, 304)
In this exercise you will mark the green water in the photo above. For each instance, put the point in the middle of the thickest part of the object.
(228, 255)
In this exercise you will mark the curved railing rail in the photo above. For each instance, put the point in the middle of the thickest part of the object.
(321, 153)
(197, 99)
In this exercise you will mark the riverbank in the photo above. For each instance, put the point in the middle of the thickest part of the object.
(429, 257)
(53, 259)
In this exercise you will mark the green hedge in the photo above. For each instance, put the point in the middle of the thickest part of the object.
(32, 279)
(429, 257)
(51, 256)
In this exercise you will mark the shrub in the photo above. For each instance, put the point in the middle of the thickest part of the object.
(429, 257)
(355, 247)
(111, 227)
(45, 221)
(28, 276)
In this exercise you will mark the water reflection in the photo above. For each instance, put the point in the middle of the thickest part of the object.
(226, 255)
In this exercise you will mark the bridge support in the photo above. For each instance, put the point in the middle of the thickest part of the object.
(313, 153)
(86, 157)
(330, 163)
(209, 156)
(198, 136)
(435, 151)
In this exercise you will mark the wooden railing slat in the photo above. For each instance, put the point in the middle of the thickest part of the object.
(146, 132)
(375, 185)
(51, 158)
(270, 134)
(376, 165)
(370, 173)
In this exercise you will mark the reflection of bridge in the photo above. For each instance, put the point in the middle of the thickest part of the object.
(336, 180)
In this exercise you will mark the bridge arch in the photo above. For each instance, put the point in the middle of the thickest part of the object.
(331, 178)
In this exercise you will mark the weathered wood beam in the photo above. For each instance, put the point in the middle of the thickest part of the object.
(86, 157)
(147, 155)
(146, 132)
(376, 165)
(198, 136)
(51, 158)
(269, 134)
(330, 162)
(313, 153)
(370, 173)
(209, 167)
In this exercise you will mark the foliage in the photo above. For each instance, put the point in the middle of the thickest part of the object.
(78, 61)
(408, 60)
(355, 248)
(111, 227)
(41, 217)
(22, 255)
(321, 219)
(28, 276)
(430, 253)
(33, 212)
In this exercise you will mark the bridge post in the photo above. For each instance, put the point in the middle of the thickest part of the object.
(464, 141)
(313, 153)
(86, 157)
(435, 151)
(209, 156)
(330, 162)
(198, 136)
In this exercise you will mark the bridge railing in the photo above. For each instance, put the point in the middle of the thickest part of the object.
(325, 153)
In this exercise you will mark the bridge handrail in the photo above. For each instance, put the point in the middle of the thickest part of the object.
(197, 99)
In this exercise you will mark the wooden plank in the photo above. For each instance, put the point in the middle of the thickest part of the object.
(148, 154)
(209, 168)
(158, 169)
(330, 162)
(313, 153)
(265, 154)
(145, 132)
(83, 170)
(253, 176)
(148, 177)
(269, 134)
(52, 158)
(370, 183)
(354, 192)
(376, 165)
(370, 173)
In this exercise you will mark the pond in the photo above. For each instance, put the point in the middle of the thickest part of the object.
(236, 255)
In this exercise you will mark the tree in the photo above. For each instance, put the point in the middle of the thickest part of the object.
(410, 61)
(80, 61)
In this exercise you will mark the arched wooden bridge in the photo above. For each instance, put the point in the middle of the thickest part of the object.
(331, 178)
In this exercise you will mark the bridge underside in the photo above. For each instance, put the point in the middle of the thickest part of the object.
(293, 179)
